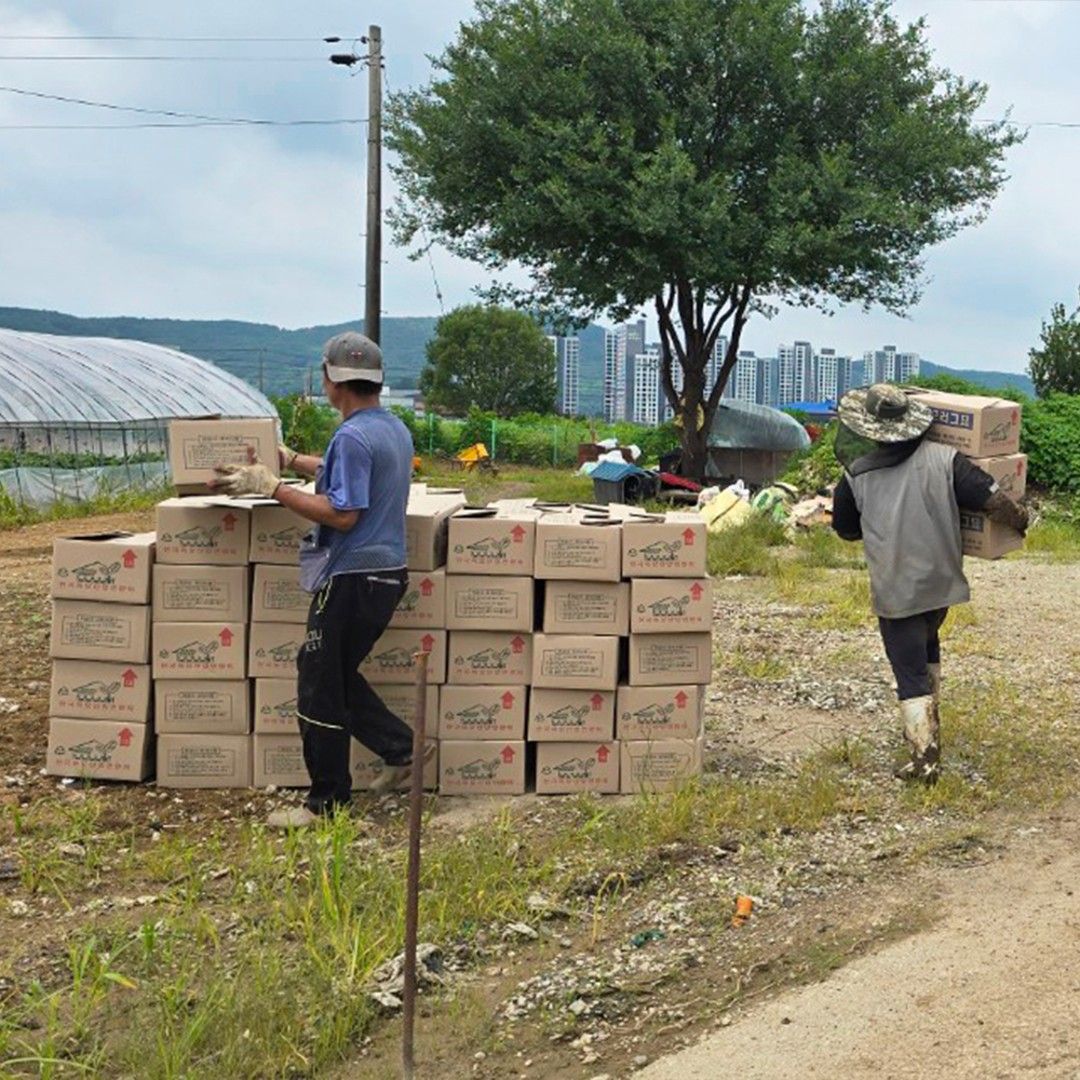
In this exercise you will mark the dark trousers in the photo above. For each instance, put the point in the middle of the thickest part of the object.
(911, 645)
(334, 701)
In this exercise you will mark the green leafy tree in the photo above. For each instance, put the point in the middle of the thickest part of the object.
(1055, 366)
(489, 358)
(706, 158)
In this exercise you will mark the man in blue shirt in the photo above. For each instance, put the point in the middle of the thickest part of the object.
(354, 564)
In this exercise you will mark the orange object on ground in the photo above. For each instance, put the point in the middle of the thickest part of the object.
(744, 907)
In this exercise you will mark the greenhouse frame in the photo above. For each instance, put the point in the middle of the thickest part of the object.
(82, 416)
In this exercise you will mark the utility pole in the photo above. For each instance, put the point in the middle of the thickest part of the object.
(373, 287)
(373, 260)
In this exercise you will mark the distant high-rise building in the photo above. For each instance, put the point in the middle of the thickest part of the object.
(769, 381)
(887, 365)
(744, 383)
(786, 375)
(715, 363)
(567, 352)
(648, 391)
(805, 374)
(834, 375)
(622, 346)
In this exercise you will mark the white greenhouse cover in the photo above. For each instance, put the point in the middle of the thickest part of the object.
(67, 382)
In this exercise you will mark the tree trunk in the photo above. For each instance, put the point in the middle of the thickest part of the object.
(690, 344)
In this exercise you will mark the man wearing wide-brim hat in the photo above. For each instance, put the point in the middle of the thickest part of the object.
(901, 495)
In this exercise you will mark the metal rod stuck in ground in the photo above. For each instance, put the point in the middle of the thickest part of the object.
(412, 879)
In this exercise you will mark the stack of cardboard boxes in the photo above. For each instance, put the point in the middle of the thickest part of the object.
(987, 430)
(100, 706)
(553, 653)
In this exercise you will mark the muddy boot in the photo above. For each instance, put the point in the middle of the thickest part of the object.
(393, 777)
(935, 682)
(922, 733)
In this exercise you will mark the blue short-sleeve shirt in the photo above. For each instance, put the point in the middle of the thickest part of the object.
(367, 467)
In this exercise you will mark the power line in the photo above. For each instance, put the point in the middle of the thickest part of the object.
(166, 112)
(178, 124)
(148, 37)
(218, 59)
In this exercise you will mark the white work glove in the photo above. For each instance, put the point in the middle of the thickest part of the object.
(286, 457)
(254, 479)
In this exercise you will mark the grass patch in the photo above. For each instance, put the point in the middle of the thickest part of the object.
(255, 959)
(15, 515)
(511, 481)
(748, 549)
(835, 599)
(821, 547)
(1003, 748)
(1054, 539)
(760, 667)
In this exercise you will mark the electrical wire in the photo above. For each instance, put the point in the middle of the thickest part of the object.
(180, 124)
(219, 59)
(149, 37)
(165, 112)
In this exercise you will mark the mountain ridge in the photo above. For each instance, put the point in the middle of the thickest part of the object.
(281, 361)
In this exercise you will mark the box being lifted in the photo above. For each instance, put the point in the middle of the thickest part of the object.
(197, 447)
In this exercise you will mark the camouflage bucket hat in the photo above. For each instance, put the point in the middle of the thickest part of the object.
(885, 414)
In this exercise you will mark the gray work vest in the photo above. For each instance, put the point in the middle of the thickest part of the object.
(911, 534)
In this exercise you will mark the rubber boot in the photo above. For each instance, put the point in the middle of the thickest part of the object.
(922, 734)
(935, 682)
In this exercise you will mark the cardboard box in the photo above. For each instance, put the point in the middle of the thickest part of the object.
(200, 593)
(489, 603)
(563, 768)
(197, 447)
(206, 532)
(669, 606)
(278, 761)
(478, 658)
(423, 607)
(986, 539)
(104, 566)
(391, 660)
(587, 607)
(664, 546)
(276, 533)
(659, 764)
(400, 699)
(576, 547)
(366, 766)
(977, 426)
(489, 541)
(575, 661)
(276, 595)
(571, 715)
(204, 761)
(209, 650)
(482, 712)
(275, 707)
(667, 659)
(91, 630)
(202, 706)
(272, 649)
(426, 523)
(99, 749)
(472, 767)
(1009, 471)
(100, 690)
(659, 712)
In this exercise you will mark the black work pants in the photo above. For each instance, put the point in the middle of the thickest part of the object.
(334, 701)
(911, 645)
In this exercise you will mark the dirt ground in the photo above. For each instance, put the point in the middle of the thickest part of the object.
(882, 943)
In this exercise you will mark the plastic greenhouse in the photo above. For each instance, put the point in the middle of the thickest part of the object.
(82, 415)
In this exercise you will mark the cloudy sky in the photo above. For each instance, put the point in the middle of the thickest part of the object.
(265, 224)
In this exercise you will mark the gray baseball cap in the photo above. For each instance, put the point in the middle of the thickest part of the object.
(351, 356)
